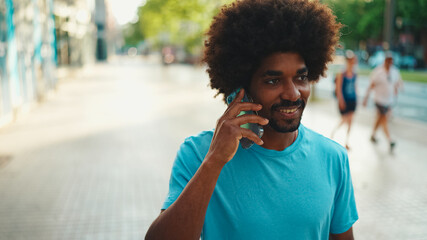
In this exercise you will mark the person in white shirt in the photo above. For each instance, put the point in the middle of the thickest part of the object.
(385, 82)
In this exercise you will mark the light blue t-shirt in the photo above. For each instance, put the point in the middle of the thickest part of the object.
(302, 192)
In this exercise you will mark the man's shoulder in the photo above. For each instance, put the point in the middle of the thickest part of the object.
(194, 149)
(326, 150)
(200, 138)
(199, 142)
(326, 144)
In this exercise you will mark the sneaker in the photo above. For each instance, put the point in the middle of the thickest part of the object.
(373, 139)
(392, 145)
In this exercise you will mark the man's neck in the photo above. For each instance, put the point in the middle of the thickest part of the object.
(276, 140)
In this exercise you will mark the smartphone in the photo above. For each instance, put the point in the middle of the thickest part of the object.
(254, 127)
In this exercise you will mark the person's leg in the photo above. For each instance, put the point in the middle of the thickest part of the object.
(338, 126)
(349, 120)
(377, 124)
(342, 121)
(387, 131)
(384, 124)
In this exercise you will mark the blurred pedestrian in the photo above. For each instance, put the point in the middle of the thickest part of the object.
(385, 81)
(345, 90)
(292, 183)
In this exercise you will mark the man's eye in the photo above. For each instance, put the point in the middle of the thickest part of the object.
(302, 78)
(272, 81)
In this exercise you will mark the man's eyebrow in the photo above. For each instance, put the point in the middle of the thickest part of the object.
(302, 70)
(272, 73)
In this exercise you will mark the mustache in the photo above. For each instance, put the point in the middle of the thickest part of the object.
(287, 103)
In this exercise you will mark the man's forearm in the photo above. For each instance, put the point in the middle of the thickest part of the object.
(368, 92)
(348, 235)
(185, 217)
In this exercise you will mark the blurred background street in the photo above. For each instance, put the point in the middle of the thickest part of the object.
(93, 162)
(96, 97)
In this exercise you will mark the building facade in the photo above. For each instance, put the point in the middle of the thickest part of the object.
(39, 36)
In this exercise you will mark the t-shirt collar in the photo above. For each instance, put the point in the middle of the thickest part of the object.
(270, 152)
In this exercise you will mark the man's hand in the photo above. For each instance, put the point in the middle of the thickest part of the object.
(365, 101)
(368, 91)
(228, 131)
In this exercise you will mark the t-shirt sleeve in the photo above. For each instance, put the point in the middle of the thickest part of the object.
(187, 161)
(345, 212)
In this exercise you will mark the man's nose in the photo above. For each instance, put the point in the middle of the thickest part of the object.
(290, 91)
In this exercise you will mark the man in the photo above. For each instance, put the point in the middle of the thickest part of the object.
(385, 82)
(292, 183)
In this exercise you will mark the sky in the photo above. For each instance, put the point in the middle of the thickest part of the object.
(125, 10)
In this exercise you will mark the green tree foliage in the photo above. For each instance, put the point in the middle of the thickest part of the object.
(413, 13)
(183, 22)
(361, 19)
(180, 23)
(132, 34)
(364, 19)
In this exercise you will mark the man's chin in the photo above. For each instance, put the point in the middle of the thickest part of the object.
(286, 127)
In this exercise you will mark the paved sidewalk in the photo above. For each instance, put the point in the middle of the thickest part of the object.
(93, 161)
(390, 188)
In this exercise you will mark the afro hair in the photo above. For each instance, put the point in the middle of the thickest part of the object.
(247, 31)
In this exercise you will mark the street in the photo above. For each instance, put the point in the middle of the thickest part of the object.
(93, 160)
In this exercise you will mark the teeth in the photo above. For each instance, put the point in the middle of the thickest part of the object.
(288, 110)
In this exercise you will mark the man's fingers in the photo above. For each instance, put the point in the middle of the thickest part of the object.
(251, 136)
(235, 110)
(239, 97)
(250, 118)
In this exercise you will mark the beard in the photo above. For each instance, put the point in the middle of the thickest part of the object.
(287, 125)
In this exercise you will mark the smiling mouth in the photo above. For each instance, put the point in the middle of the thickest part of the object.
(289, 110)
